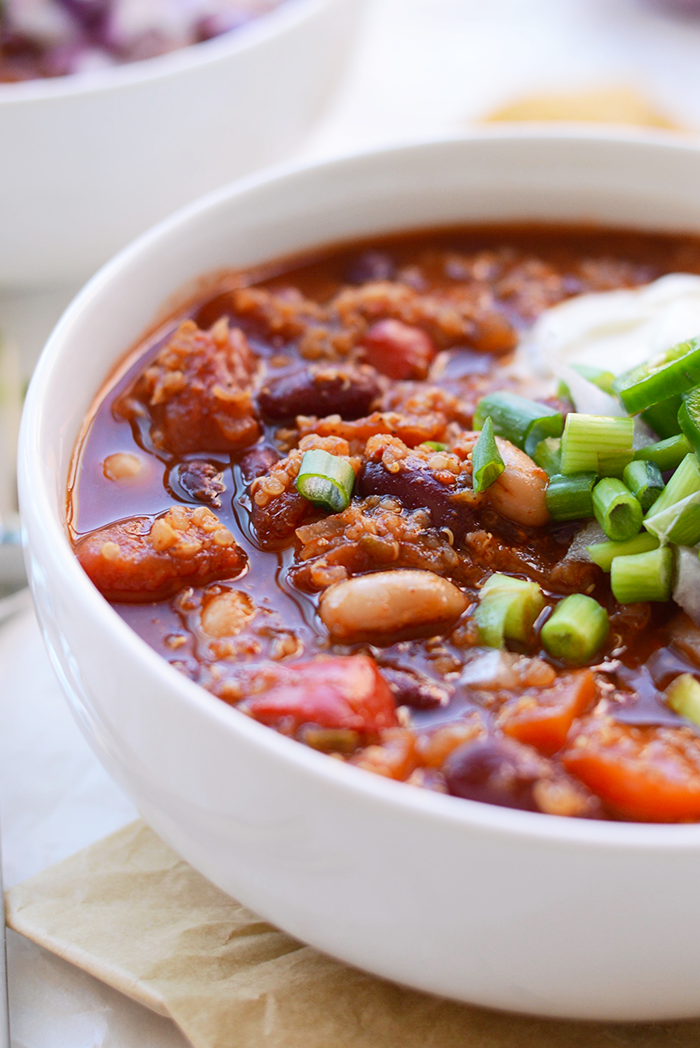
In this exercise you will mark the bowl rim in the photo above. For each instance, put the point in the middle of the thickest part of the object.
(265, 27)
(40, 515)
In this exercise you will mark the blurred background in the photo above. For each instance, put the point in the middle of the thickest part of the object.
(368, 74)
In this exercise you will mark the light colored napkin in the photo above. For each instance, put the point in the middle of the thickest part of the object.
(131, 912)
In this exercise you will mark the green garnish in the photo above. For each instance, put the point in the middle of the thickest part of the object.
(644, 480)
(326, 480)
(596, 444)
(666, 375)
(616, 509)
(666, 454)
(570, 498)
(683, 696)
(547, 455)
(486, 459)
(675, 516)
(577, 629)
(507, 610)
(521, 421)
(643, 576)
(604, 553)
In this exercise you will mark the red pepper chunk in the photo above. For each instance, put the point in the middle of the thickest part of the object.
(542, 717)
(649, 774)
(331, 692)
(398, 350)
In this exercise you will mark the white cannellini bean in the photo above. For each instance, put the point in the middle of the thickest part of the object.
(390, 602)
(520, 492)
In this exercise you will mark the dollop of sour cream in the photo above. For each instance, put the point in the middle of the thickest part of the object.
(611, 330)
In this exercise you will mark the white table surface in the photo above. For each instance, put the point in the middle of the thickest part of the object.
(423, 67)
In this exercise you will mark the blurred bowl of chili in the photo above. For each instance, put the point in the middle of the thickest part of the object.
(92, 159)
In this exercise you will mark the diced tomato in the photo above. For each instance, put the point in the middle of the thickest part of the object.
(331, 692)
(398, 350)
(650, 774)
(542, 717)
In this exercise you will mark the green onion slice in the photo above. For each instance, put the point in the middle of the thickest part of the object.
(616, 509)
(644, 480)
(604, 553)
(683, 696)
(685, 481)
(643, 576)
(667, 454)
(689, 417)
(507, 610)
(547, 455)
(521, 421)
(433, 445)
(570, 498)
(486, 459)
(663, 417)
(679, 523)
(576, 630)
(665, 375)
(326, 480)
(602, 379)
(675, 516)
(596, 444)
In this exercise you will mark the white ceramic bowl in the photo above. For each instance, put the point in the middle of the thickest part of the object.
(510, 909)
(91, 160)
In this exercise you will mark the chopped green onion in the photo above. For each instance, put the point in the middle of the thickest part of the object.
(675, 516)
(433, 445)
(604, 553)
(521, 421)
(596, 444)
(683, 696)
(667, 454)
(486, 459)
(675, 371)
(570, 498)
(563, 391)
(679, 523)
(643, 576)
(602, 379)
(663, 417)
(576, 630)
(644, 480)
(689, 417)
(685, 481)
(596, 376)
(616, 509)
(507, 610)
(326, 480)
(547, 455)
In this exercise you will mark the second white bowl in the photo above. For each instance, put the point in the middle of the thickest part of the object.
(89, 161)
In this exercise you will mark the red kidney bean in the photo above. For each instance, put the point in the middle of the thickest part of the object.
(496, 771)
(398, 350)
(198, 481)
(347, 391)
(417, 488)
(258, 461)
(415, 690)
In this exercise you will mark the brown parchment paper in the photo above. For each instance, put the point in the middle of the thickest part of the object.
(131, 912)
